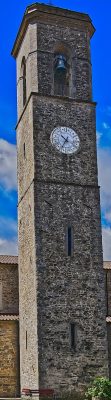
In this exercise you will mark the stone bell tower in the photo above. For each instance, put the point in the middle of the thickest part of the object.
(63, 342)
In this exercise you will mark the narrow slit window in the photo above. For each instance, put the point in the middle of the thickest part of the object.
(69, 241)
(24, 150)
(24, 80)
(26, 340)
(72, 330)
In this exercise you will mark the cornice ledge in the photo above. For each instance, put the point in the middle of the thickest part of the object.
(59, 98)
(37, 12)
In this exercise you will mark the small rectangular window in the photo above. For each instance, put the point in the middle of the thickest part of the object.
(72, 331)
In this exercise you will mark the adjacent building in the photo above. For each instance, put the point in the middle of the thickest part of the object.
(9, 327)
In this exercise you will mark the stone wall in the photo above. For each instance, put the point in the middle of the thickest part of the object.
(107, 268)
(55, 191)
(76, 43)
(70, 290)
(49, 164)
(28, 292)
(109, 346)
(29, 51)
(9, 327)
(25, 159)
(26, 258)
(9, 359)
(9, 289)
(108, 289)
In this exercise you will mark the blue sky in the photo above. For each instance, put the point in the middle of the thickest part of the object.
(11, 15)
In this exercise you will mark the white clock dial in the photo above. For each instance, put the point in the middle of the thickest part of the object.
(65, 140)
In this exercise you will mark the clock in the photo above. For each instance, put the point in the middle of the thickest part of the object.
(65, 140)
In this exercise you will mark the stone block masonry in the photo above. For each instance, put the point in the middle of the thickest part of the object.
(9, 289)
(58, 294)
(9, 327)
(9, 359)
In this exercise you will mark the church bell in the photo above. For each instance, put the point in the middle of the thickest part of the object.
(60, 64)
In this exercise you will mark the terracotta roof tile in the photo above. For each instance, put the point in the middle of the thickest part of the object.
(5, 259)
(9, 317)
(107, 264)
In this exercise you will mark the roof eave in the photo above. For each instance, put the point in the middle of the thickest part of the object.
(30, 16)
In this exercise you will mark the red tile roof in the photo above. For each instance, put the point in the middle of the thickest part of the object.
(7, 317)
(5, 259)
(107, 264)
(8, 259)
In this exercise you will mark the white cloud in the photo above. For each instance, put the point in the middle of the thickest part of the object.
(98, 135)
(104, 174)
(8, 236)
(8, 225)
(108, 216)
(8, 165)
(8, 247)
(105, 125)
(106, 238)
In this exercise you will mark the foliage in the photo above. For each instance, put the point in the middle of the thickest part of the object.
(100, 388)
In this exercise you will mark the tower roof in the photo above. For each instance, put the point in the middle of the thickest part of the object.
(48, 13)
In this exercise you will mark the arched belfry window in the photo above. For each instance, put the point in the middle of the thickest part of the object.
(24, 80)
(61, 74)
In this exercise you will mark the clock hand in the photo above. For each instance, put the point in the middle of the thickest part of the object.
(63, 137)
(66, 140)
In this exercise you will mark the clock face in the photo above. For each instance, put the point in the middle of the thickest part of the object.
(65, 140)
